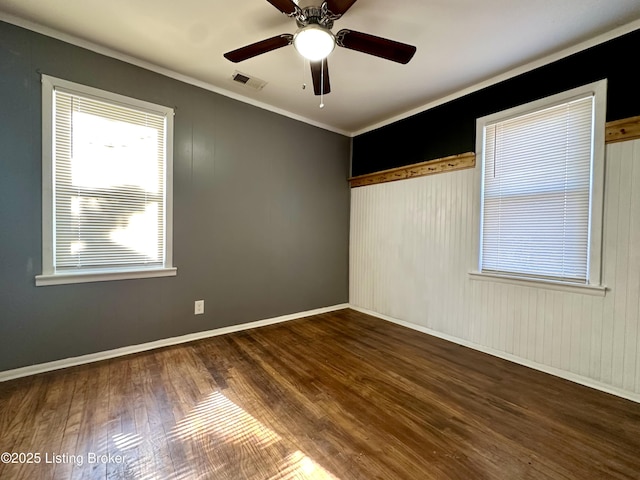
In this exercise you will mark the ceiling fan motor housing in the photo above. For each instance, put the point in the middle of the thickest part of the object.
(316, 15)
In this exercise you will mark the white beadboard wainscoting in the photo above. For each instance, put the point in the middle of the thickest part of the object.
(414, 242)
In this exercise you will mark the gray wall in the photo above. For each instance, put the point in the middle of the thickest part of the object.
(261, 214)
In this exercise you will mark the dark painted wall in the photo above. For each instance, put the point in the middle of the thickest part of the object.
(449, 129)
(261, 222)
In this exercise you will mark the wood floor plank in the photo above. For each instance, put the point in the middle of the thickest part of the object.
(51, 420)
(187, 392)
(72, 425)
(17, 404)
(36, 405)
(121, 428)
(144, 439)
(92, 432)
(158, 413)
(341, 395)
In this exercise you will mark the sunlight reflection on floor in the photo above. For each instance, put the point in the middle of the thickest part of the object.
(218, 417)
(126, 441)
(299, 466)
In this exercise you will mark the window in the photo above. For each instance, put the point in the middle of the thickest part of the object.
(542, 182)
(107, 186)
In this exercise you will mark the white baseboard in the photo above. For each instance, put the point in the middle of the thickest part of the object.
(588, 382)
(167, 342)
(118, 352)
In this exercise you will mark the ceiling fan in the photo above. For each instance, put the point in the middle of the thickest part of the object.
(315, 41)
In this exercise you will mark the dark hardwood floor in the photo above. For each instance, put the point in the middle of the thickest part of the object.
(336, 396)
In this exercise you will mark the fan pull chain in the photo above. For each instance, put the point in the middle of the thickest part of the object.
(304, 68)
(322, 83)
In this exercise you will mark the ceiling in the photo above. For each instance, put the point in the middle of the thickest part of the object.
(460, 43)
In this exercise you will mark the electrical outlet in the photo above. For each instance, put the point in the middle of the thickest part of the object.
(199, 307)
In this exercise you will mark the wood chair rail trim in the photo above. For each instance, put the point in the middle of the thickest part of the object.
(431, 167)
(615, 131)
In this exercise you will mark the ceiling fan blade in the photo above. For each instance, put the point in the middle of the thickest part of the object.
(285, 6)
(339, 7)
(377, 46)
(259, 48)
(320, 75)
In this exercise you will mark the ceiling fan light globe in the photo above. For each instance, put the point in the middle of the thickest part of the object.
(314, 42)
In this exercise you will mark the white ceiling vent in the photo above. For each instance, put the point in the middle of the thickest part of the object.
(248, 81)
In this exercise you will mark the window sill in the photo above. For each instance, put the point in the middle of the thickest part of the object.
(70, 278)
(597, 290)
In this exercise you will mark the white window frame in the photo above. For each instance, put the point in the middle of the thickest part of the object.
(49, 276)
(594, 280)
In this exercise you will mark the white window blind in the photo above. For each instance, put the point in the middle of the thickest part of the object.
(537, 193)
(107, 204)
